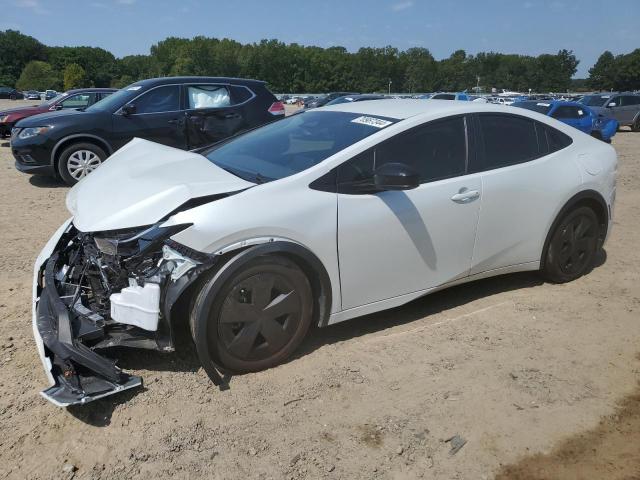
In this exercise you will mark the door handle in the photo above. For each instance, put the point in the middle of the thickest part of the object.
(465, 196)
(174, 121)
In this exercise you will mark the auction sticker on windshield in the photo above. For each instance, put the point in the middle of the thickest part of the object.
(372, 121)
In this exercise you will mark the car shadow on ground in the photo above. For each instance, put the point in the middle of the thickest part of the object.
(185, 359)
(43, 181)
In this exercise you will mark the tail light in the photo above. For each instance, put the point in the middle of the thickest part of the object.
(276, 108)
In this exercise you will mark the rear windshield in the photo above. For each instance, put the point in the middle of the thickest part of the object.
(293, 144)
(540, 107)
(594, 100)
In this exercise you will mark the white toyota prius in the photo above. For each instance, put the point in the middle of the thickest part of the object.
(320, 217)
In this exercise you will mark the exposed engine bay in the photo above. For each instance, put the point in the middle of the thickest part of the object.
(109, 289)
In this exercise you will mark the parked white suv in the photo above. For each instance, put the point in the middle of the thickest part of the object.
(320, 217)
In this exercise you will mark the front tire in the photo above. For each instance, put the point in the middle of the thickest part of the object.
(635, 126)
(257, 318)
(79, 160)
(573, 246)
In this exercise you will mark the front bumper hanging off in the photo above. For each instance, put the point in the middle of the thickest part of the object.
(79, 375)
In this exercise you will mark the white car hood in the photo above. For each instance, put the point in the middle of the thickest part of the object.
(141, 183)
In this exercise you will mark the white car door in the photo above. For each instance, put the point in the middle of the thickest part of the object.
(392, 243)
(525, 178)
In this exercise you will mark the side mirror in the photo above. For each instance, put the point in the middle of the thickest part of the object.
(128, 109)
(395, 176)
(611, 104)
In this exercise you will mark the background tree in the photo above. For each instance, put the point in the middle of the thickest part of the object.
(74, 76)
(16, 50)
(420, 70)
(627, 71)
(98, 64)
(38, 75)
(601, 75)
(298, 68)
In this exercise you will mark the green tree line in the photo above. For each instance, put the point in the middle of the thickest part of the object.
(28, 64)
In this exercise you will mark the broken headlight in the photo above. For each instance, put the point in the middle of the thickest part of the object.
(135, 242)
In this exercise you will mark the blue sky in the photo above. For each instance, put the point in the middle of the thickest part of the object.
(588, 27)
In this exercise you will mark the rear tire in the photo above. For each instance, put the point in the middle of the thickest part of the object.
(635, 126)
(79, 160)
(257, 318)
(573, 246)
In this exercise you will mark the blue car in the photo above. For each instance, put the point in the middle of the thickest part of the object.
(575, 114)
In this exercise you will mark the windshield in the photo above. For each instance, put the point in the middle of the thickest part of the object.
(293, 144)
(594, 100)
(117, 99)
(540, 107)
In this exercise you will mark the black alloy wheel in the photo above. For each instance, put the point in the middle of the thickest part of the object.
(573, 246)
(260, 315)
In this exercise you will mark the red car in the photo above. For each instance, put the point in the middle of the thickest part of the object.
(81, 98)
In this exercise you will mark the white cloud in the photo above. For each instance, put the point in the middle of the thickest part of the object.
(398, 7)
(126, 2)
(33, 5)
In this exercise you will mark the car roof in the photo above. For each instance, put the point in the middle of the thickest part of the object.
(80, 90)
(170, 80)
(405, 108)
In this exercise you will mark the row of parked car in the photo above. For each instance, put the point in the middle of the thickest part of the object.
(13, 94)
(71, 134)
(599, 115)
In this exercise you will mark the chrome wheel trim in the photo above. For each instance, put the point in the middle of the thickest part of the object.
(81, 163)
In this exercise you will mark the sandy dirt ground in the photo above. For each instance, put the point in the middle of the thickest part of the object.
(508, 376)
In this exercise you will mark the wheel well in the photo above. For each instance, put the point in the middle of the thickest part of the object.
(70, 141)
(307, 261)
(590, 199)
(321, 290)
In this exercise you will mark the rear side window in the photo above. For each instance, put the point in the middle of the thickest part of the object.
(240, 94)
(556, 140)
(437, 150)
(157, 100)
(508, 140)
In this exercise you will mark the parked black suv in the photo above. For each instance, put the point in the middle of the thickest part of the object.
(182, 112)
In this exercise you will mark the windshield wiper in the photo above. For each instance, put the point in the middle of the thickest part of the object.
(255, 177)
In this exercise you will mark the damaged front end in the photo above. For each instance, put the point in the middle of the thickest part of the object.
(100, 290)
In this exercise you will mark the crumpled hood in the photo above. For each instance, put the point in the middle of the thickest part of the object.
(143, 182)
